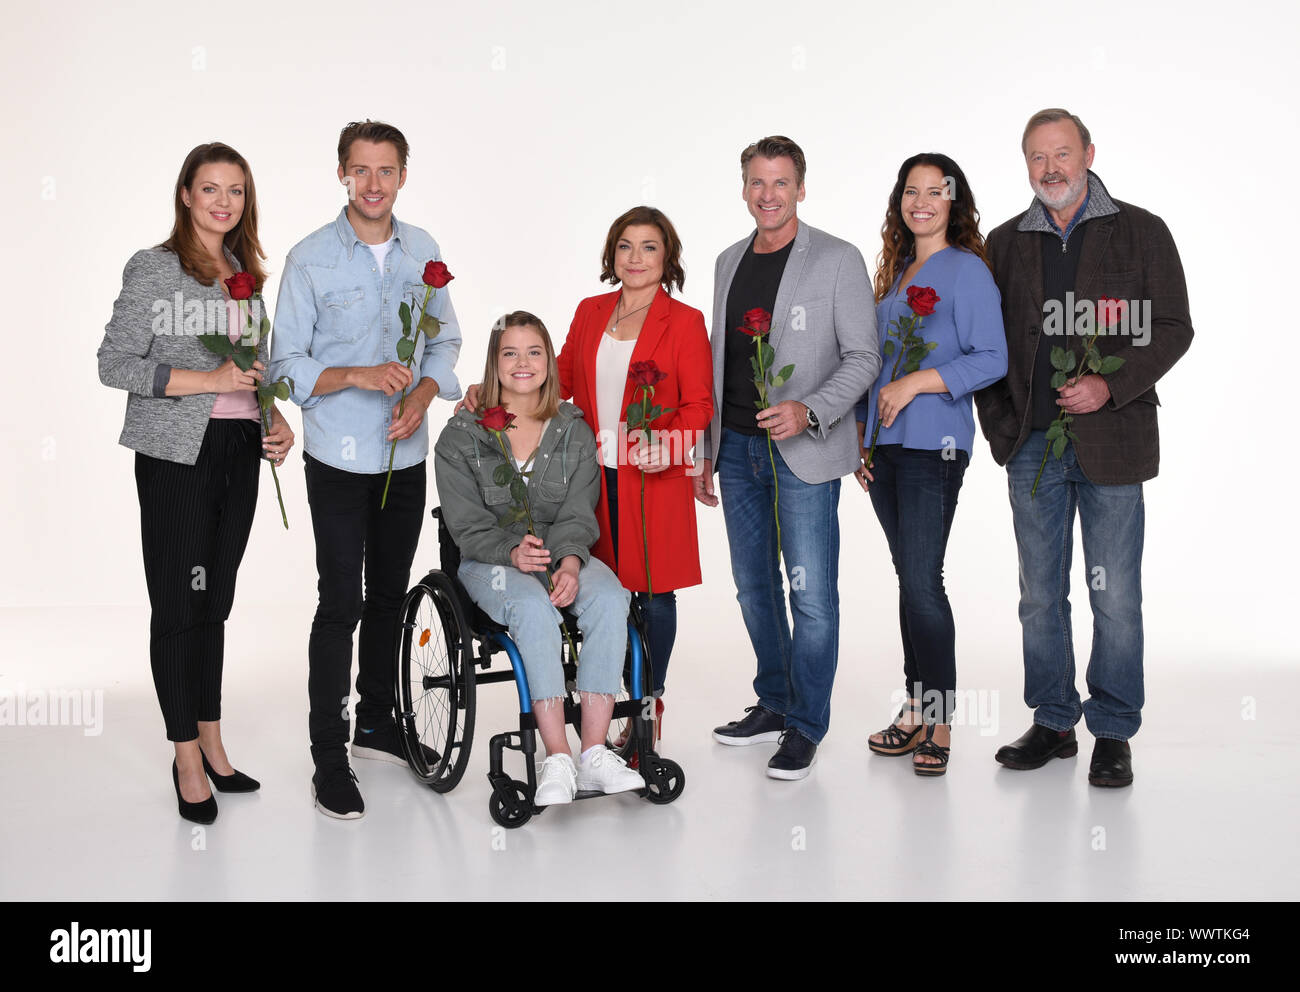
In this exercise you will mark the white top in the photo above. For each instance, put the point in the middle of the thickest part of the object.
(612, 360)
(380, 252)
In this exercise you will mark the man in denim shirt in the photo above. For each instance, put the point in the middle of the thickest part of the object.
(336, 333)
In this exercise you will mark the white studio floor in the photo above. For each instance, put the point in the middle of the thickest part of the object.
(93, 817)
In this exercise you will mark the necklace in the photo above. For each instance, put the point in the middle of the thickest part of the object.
(614, 328)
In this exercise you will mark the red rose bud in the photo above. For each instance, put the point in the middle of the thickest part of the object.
(757, 322)
(646, 374)
(1110, 312)
(496, 419)
(922, 300)
(241, 286)
(437, 275)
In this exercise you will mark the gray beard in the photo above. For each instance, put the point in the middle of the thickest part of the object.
(1072, 194)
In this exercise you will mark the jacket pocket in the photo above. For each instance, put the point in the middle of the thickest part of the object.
(496, 495)
(552, 492)
(342, 314)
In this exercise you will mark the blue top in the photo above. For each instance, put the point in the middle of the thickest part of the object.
(335, 308)
(971, 352)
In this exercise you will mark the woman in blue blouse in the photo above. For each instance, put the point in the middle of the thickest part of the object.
(931, 239)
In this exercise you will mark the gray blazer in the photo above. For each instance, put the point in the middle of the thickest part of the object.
(824, 323)
(155, 319)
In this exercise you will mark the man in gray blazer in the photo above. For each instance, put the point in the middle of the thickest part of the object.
(823, 323)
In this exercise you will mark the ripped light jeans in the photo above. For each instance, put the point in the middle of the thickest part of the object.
(520, 601)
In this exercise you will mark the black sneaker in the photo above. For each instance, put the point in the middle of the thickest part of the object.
(336, 794)
(384, 743)
(759, 726)
(795, 757)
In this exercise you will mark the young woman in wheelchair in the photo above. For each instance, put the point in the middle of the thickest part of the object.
(522, 580)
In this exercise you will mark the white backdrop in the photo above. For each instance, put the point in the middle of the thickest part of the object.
(532, 126)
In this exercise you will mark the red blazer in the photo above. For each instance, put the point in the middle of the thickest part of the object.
(673, 336)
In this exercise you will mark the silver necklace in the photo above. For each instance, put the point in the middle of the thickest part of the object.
(617, 317)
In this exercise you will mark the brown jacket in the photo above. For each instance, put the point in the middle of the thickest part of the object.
(1128, 254)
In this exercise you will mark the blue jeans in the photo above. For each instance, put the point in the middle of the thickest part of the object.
(520, 601)
(1112, 520)
(915, 498)
(795, 672)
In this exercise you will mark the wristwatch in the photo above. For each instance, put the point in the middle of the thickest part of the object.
(812, 419)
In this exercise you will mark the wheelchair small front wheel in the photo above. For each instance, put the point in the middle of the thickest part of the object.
(666, 781)
(511, 804)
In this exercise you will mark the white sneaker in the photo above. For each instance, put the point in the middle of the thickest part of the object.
(608, 773)
(557, 782)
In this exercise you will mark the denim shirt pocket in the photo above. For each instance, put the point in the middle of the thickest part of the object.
(343, 314)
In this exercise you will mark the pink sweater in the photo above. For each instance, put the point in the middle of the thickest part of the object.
(241, 405)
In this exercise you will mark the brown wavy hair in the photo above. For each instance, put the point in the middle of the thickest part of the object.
(548, 403)
(241, 239)
(673, 274)
(898, 243)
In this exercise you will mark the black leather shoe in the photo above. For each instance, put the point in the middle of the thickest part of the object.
(237, 781)
(794, 758)
(1037, 746)
(758, 726)
(204, 812)
(1112, 763)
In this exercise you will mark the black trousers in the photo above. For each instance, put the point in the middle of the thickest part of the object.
(355, 538)
(194, 526)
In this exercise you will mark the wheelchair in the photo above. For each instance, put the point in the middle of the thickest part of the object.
(445, 648)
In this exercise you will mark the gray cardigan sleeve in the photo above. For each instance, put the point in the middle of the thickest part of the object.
(123, 354)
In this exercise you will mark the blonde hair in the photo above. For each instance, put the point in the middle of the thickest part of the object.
(548, 402)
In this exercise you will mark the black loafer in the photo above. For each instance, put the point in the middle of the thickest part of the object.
(1037, 746)
(1112, 763)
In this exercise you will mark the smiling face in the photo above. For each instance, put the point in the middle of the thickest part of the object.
(521, 364)
(925, 204)
(639, 256)
(216, 198)
(1058, 164)
(373, 174)
(773, 194)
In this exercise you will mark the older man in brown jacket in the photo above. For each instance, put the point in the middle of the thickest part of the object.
(1074, 247)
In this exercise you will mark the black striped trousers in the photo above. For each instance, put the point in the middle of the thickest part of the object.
(194, 526)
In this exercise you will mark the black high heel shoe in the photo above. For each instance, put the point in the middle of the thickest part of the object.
(204, 812)
(235, 782)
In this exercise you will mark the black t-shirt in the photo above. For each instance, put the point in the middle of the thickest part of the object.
(755, 284)
(1060, 270)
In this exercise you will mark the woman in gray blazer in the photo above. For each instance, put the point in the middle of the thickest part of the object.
(193, 421)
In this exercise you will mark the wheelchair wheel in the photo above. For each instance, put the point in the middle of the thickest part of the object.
(511, 804)
(667, 780)
(622, 729)
(435, 683)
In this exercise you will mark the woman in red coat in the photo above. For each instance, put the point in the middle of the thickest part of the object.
(641, 322)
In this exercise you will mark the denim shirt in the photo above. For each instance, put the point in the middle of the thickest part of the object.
(335, 308)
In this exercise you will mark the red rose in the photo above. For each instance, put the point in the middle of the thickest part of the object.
(646, 374)
(496, 419)
(437, 275)
(922, 300)
(757, 322)
(1110, 312)
(241, 286)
